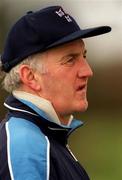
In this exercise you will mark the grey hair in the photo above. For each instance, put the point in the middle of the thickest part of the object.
(12, 79)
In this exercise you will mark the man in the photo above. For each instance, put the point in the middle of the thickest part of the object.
(46, 73)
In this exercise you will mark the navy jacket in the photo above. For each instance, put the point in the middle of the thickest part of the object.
(34, 148)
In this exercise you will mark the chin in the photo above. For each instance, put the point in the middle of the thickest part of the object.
(83, 107)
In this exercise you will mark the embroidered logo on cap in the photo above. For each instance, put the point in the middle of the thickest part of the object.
(61, 13)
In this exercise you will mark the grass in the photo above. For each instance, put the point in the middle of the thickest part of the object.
(98, 145)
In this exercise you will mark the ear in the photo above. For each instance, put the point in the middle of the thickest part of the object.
(29, 78)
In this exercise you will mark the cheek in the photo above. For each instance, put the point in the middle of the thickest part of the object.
(60, 83)
(59, 88)
(51, 84)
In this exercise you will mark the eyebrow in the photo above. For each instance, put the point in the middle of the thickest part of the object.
(74, 54)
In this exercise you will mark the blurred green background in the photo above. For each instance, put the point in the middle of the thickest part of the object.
(97, 145)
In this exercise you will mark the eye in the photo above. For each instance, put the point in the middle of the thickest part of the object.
(70, 60)
(84, 56)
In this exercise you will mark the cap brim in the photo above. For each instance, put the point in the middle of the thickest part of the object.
(86, 33)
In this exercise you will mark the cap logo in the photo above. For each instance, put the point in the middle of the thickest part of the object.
(61, 13)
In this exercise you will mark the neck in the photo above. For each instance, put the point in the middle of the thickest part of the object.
(65, 120)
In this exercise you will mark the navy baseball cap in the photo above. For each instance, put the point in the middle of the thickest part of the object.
(41, 30)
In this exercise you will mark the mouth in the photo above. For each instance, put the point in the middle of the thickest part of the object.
(81, 87)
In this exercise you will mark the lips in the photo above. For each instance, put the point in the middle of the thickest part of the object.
(81, 87)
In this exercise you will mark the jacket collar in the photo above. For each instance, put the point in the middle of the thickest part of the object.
(20, 106)
(39, 102)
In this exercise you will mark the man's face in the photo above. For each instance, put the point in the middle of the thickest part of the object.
(65, 82)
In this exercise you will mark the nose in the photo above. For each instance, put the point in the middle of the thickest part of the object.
(85, 70)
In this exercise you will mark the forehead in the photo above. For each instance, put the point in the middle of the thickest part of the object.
(74, 46)
(57, 53)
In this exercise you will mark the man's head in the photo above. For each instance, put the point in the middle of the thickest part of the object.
(50, 59)
(59, 75)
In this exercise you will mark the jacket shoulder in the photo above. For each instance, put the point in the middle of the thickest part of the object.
(28, 149)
